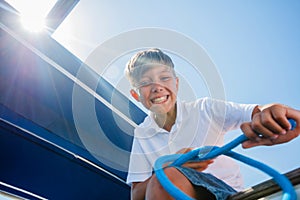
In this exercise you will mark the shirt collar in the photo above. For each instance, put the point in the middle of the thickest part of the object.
(177, 121)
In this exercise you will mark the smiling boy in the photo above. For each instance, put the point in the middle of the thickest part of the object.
(177, 127)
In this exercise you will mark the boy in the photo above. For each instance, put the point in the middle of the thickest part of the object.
(177, 127)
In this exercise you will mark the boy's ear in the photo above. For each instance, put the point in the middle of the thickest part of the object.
(177, 83)
(134, 94)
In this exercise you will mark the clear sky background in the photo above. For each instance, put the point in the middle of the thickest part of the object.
(255, 46)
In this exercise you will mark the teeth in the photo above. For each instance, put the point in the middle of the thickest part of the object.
(159, 100)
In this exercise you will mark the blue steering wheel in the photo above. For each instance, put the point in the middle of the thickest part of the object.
(209, 152)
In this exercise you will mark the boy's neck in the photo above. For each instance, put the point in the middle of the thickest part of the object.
(166, 120)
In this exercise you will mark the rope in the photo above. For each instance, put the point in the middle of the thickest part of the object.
(208, 152)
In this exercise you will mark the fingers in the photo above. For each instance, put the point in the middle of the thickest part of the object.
(261, 141)
(248, 131)
(271, 121)
(263, 128)
(184, 150)
(290, 135)
(198, 165)
(271, 126)
(254, 138)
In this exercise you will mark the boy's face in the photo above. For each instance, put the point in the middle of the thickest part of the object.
(157, 89)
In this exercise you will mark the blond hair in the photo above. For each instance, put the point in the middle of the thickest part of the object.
(138, 64)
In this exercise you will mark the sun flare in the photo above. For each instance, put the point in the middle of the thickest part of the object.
(33, 23)
(33, 12)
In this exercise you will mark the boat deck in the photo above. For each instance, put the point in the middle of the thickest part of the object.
(269, 189)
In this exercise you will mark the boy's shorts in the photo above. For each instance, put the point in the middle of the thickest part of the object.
(216, 186)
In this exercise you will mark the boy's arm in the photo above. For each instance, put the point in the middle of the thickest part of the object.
(138, 190)
(270, 126)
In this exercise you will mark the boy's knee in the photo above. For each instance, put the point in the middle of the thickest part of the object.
(155, 189)
(170, 173)
(176, 177)
(173, 175)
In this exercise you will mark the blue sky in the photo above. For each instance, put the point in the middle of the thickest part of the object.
(254, 44)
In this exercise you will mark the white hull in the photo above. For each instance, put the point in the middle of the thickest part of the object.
(278, 195)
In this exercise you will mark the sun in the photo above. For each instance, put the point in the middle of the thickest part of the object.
(33, 12)
(33, 23)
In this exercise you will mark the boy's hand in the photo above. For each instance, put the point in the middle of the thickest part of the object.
(271, 126)
(197, 165)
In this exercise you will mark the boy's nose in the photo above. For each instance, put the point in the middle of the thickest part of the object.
(156, 87)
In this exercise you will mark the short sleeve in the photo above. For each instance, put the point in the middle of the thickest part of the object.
(229, 114)
(139, 167)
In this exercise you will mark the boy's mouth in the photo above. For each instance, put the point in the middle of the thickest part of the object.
(160, 100)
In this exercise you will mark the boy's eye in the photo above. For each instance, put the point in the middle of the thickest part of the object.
(165, 78)
(144, 83)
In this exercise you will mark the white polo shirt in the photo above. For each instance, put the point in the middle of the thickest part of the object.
(200, 123)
